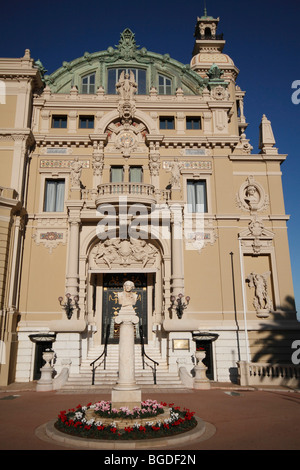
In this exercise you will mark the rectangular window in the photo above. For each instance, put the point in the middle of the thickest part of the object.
(164, 85)
(54, 195)
(136, 174)
(86, 122)
(59, 122)
(88, 84)
(193, 123)
(167, 122)
(196, 196)
(116, 174)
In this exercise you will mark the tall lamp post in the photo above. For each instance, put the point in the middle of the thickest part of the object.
(69, 305)
(180, 305)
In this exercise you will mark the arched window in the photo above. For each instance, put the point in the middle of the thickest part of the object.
(207, 33)
(88, 84)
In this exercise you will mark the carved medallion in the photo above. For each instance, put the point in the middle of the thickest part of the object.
(251, 196)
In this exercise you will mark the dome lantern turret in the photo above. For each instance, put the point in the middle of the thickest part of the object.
(208, 49)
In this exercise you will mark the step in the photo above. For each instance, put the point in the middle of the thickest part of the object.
(106, 379)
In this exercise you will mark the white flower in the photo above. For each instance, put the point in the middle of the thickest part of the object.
(90, 421)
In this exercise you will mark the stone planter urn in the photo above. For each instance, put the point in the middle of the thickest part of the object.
(45, 383)
(200, 380)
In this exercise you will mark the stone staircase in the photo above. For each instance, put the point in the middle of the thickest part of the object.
(105, 379)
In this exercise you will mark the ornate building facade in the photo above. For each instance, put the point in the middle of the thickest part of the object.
(127, 165)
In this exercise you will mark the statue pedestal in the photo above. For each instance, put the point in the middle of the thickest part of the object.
(126, 392)
(201, 382)
(45, 383)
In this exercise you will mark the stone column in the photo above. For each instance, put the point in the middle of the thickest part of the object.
(73, 259)
(126, 392)
(177, 250)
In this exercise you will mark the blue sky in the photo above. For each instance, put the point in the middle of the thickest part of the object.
(262, 37)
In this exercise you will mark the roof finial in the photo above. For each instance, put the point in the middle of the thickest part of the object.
(205, 10)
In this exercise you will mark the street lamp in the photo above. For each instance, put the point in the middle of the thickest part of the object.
(181, 305)
(69, 305)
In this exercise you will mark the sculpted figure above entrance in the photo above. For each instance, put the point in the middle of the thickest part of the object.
(117, 252)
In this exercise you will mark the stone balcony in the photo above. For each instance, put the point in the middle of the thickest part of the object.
(132, 193)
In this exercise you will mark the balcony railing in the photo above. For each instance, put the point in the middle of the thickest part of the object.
(134, 192)
(255, 373)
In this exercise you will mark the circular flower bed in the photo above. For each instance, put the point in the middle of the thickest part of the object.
(100, 421)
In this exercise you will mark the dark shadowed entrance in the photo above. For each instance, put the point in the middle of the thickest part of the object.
(112, 284)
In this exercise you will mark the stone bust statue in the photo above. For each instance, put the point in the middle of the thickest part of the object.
(127, 298)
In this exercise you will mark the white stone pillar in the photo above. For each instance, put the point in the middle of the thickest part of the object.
(177, 250)
(73, 258)
(126, 392)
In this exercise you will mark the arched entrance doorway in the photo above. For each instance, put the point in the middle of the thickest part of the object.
(111, 263)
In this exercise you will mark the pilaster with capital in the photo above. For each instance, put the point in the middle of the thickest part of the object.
(154, 163)
(72, 277)
(177, 250)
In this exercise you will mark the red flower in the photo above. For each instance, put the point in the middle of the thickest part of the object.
(155, 428)
(142, 428)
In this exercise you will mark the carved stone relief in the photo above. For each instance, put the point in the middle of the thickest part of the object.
(220, 93)
(197, 238)
(175, 169)
(256, 236)
(251, 196)
(131, 253)
(261, 301)
(50, 233)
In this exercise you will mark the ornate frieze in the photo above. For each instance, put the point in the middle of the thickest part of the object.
(118, 253)
(62, 163)
(200, 234)
(50, 232)
(256, 236)
(189, 165)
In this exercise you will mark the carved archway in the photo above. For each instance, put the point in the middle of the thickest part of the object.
(143, 258)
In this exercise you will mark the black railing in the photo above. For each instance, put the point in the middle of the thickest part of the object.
(104, 354)
(155, 364)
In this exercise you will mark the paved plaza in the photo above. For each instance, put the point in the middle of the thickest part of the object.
(238, 418)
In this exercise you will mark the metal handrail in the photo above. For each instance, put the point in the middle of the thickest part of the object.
(145, 355)
(104, 353)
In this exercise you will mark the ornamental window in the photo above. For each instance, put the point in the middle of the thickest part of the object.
(113, 76)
